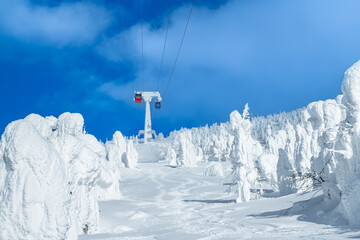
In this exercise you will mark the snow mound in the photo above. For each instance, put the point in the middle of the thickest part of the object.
(52, 175)
(215, 169)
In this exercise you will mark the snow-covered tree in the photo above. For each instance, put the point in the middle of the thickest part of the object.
(243, 154)
(52, 175)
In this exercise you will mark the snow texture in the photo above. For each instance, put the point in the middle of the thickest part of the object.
(52, 175)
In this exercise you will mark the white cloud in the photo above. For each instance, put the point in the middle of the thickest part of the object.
(68, 23)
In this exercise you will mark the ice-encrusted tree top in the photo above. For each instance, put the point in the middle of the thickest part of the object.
(351, 90)
(71, 124)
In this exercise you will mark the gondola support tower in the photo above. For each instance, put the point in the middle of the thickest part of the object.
(148, 97)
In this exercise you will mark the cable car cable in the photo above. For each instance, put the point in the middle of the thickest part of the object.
(122, 22)
(181, 43)
(163, 53)
(142, 46)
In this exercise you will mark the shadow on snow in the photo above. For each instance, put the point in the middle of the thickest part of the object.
(211, 201)
(314, 210)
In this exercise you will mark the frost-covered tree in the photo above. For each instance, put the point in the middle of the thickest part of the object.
(52, 174)
(315, 146)
(34, 194)
(243, 154)
(343, 170)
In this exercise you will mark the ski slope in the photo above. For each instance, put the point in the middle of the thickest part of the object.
(162, 202)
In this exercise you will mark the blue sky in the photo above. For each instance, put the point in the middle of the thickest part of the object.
(278, 55)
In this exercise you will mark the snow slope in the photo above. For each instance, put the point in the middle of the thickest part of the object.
(165, 203)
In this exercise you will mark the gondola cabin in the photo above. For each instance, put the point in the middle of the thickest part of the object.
(138, 97)
(158, 105)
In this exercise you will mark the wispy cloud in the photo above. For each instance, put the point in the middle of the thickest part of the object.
(68, 23)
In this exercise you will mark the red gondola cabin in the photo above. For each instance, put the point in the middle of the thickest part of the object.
(138, 97)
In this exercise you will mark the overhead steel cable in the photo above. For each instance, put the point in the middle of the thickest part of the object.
(122, 22)
(163, 53)
(178, 53)
(142, 46)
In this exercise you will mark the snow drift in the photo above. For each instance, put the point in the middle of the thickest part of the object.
(52, 174)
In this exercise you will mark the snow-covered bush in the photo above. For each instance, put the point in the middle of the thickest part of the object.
(171, 157)
(121, 151)
(187, 153)
(51, 176)
(212, 143)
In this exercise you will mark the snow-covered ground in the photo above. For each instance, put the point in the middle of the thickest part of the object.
(161, 202)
